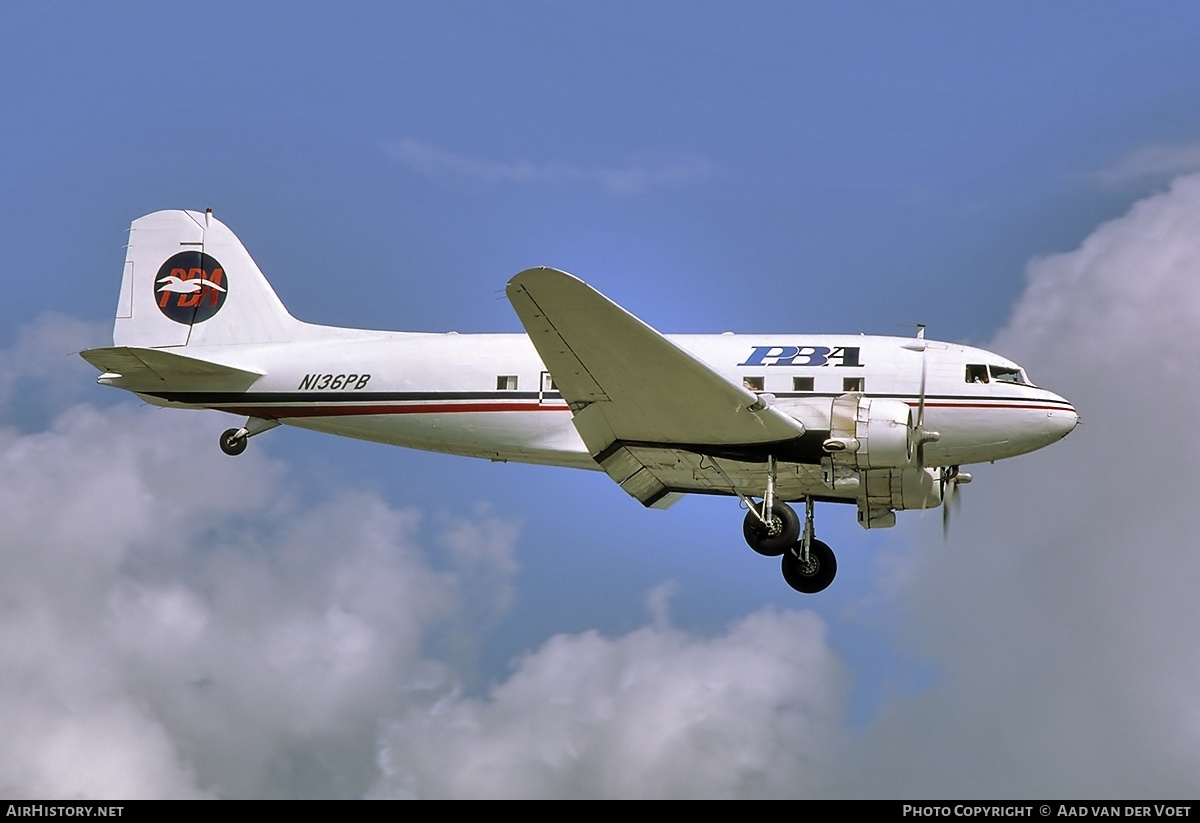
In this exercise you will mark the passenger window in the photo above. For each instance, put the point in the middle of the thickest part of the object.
(506, 382)
(852, 384)
(977, 374)
(802, 384)
(753, 383)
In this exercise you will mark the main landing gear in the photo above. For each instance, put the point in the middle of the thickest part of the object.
(772, 528)
(809, 570)
(771, 536)
(233, 441)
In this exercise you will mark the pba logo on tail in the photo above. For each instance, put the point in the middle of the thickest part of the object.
(190, 287)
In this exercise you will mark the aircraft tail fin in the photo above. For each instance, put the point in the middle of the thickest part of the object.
(189, 281)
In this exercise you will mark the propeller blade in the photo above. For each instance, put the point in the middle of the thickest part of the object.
(919, 434)
(951, 501)
(948, 489)
(922, 436)
(919, 427)
(921, 400)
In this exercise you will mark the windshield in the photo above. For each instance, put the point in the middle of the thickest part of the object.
(1006, 374)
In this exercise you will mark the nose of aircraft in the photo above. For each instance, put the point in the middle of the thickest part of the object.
(1061, 418)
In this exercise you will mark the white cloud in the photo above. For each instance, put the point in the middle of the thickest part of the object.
(656, 713)
(479, 546)
(1061, 615)
(176, 623)
(43, 372)
(1160, 161)
(632, 178)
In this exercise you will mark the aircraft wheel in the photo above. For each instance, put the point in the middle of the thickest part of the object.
(233, 442)
(774, 540)
(813, 576)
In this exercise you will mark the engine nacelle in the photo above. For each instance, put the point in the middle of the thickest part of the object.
(885, 430)
(878, 432)
(888, 492)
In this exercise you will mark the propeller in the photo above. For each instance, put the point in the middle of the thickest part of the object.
(920, 435)
(950, 478)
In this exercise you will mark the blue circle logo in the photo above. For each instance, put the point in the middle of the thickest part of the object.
(190, 287)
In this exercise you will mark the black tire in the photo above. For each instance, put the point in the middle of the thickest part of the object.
(773, 541)
(817, 574)
(233, 443)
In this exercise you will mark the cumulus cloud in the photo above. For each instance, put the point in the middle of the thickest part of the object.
(42, 373)
(174, 623)
(631, 178)
(1062, 614)
(656, 713)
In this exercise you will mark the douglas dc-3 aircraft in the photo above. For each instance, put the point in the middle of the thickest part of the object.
(883, 423)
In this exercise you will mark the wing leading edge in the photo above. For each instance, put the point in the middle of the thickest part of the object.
(632, 389)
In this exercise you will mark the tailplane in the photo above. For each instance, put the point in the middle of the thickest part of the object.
(189, 281)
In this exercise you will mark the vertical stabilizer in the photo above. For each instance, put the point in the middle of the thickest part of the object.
(189, 281)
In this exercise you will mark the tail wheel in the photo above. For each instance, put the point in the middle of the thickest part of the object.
(812, 575)
(233, 442)
(775, 536)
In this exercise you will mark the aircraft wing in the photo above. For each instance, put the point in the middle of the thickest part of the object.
(141, 369)
(632, 389)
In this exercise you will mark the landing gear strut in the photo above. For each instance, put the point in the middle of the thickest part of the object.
(773, 529)
(233, 441)
(809, 565)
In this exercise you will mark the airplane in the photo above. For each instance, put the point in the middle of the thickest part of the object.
(881, 423)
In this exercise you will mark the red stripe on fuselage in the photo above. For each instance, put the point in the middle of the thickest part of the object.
(994, 405)
(274, 412)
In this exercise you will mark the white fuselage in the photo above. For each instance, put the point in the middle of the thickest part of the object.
(488, 395)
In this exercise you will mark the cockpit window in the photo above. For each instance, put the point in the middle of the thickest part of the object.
(1005, 374)
(977, 373)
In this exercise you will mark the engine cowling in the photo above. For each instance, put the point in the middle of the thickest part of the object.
(886, 433)
(879, 432)
(872, 456)
(890, 491)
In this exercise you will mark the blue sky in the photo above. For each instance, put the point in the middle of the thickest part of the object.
(759, 167)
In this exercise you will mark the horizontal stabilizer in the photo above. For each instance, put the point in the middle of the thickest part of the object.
(140, 369)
